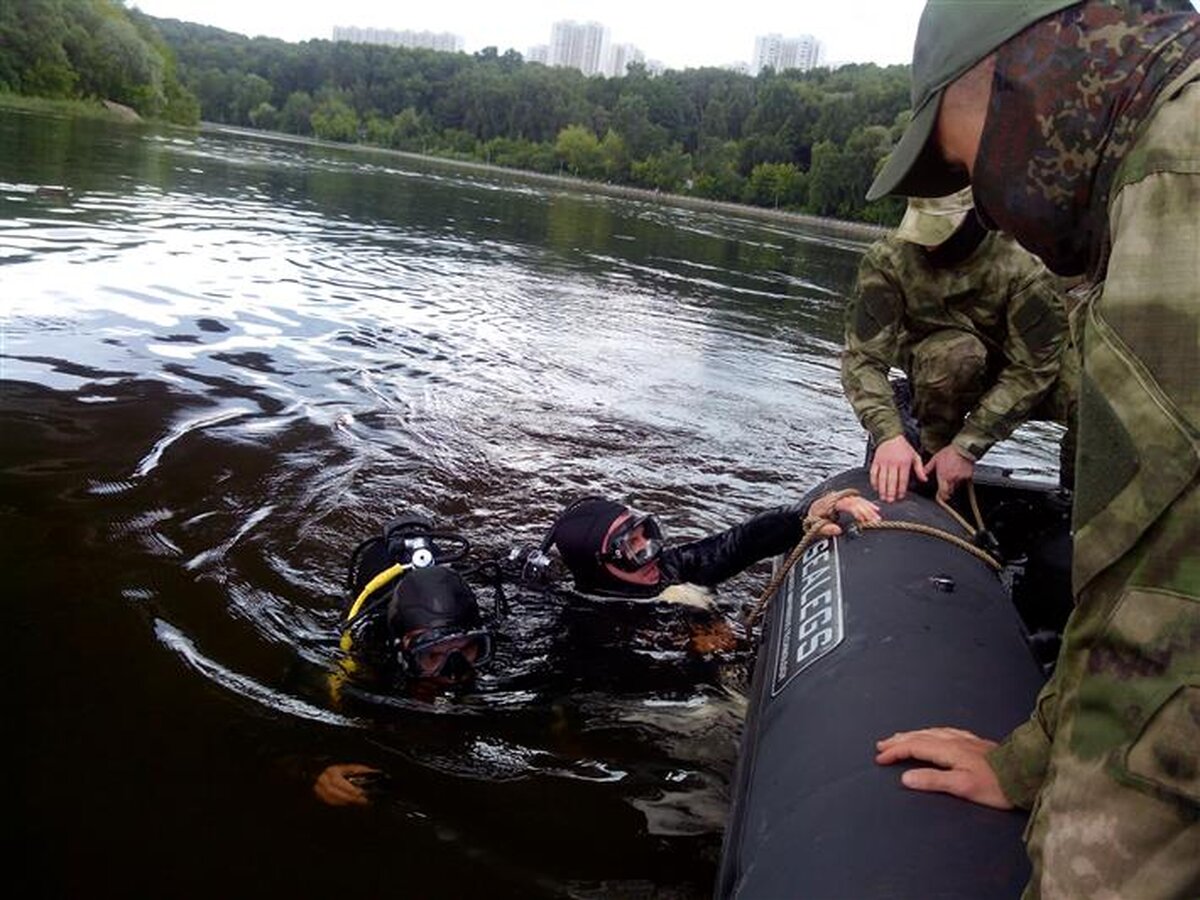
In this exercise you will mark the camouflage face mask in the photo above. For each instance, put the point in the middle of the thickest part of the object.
(1068, 96)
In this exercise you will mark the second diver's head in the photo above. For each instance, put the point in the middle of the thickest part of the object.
(946, 228)
(436, 626)
(609, 547)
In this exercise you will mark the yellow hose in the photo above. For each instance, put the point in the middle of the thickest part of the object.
(372, 586)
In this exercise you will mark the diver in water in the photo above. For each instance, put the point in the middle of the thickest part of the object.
(412, 618)
(612, 550)
(412, 611)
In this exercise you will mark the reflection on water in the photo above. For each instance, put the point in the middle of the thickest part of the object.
(225, 360)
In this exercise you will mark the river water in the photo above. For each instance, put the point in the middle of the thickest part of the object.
(226, 359)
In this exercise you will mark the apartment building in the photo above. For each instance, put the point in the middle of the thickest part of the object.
(444, 41)
(777, 52)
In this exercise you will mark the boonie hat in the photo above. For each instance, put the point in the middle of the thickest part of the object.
(952, 37)
(929, 221)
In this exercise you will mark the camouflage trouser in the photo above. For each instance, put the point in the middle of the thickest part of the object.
(1119, 812)
(950, 371)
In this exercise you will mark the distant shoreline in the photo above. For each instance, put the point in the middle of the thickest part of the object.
(863, 230)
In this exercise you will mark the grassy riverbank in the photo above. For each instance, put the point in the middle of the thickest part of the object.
(86, 109)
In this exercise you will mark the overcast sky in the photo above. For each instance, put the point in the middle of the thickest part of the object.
(680, 35)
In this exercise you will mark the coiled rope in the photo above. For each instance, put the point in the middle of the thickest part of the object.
(817, 519)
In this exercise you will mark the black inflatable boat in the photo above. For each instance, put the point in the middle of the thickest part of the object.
(882, 631)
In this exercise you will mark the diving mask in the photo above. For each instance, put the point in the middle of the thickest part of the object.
(634, 544)
(446, 652)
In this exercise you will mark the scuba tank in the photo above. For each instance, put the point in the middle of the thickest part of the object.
(410, 606)
(407, 542)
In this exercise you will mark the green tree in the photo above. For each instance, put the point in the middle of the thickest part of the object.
(776, 185)
(457, 143)
(135, 71)
(47, 77)
(831, 181)
(614, 157)
(250, 91)
(214, 89)
(88, 48)
(378, 130)
(265, 116)
(32, 57)
(410, 130)
(665, 171)
(840, 176)
(334, 120)
(717, 175)
(579, 150)
(296, 115)
(182, 106)
(631, 120)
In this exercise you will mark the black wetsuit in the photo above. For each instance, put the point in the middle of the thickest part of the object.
(711, 560)
(706, 562)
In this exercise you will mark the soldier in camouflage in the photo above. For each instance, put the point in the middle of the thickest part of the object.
(980, 328)
(1078, 126)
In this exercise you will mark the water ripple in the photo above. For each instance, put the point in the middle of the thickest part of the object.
(226, 360)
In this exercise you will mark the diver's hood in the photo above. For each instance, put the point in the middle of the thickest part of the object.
(579, 535)
(433, 597)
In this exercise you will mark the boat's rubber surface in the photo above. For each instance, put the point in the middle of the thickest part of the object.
(868, 635)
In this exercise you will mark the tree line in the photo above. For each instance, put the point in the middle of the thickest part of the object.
(90, 49)
(809, 142)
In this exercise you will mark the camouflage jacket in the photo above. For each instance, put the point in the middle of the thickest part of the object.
(1001, 294)
(1139, 441)
(1140, 397)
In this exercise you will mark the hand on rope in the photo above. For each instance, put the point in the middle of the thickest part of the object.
(951, 468)
(821, 521)
(822, 513)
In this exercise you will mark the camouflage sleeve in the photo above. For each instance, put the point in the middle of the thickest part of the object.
(1021, 759)
(1037, 334)
(873, 320)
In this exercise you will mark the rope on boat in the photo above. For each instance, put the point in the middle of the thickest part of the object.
(979, 527)
(816, 520)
